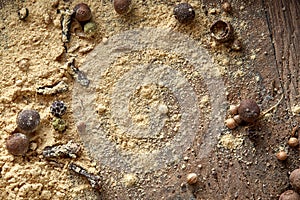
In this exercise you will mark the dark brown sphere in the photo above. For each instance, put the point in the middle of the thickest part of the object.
(82, 12)
(249, 110)
(184, 13)
(28, 120)
(122, 6)
(17, 144)
(295, 179)
(289, 195)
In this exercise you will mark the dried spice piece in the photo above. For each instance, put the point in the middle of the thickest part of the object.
(66, 25)
(90, 28)
(293, 142)
(94, 180)
(17, 144)
(82, 12)
(295, 179)
(50, 90)
(122, 6)
(281, 155)
(71, 149)
(289, 195)
(58, 108)
(249, 110)
(231, 123)
(221, 31)
(192, 178)
(28, 120)
(79, 76)
(184, 13)
(23, 13)
(59, 124)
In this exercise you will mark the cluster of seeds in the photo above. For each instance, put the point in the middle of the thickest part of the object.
(295, 182)
(248, 111)
(27, 122)
(58, 109)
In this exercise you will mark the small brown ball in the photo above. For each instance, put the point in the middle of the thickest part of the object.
(237, 119)
(184, 13)
(249, 110)
(192, 178)
(122, 6)
(289, 195)
(28, 120)
(281, 155)
(17, 144)
(295, 179)
(293, 142)
(231, 123)
(233, 109)
(82, 12)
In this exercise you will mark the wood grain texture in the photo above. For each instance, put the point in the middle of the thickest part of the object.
(284, 24)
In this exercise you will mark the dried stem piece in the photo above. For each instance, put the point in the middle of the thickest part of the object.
(70, 150)
(94, 180)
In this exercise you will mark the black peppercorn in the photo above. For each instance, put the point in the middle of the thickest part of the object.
(28, 120)
(122, 6)
(184, 13)
(58, 108)
(248, 110)
(17, 144)
(82, 12)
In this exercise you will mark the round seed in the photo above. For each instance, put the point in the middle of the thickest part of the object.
(192, 178)
(122, 6)
(28, 120)
(293, 142)
(17, 144)
(282, 155)
(184, 13)
(83, 12)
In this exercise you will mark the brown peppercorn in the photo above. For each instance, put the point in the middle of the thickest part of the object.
(226, 6)
(184, 13)
(28, 120)
(122, 6)
(233, 109)
(230, 123)
(249, 110)
(295, 179)
(237, 119)
(293, 142)
(281, 155)
(289, 195)
(192, 178)
(82, 12)
(17, 144)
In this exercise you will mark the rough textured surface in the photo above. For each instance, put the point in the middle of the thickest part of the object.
(242, 165)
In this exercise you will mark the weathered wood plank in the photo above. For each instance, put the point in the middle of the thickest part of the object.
(284, 24)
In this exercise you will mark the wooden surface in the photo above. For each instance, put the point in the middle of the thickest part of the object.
(283, 19)
(272, 36)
